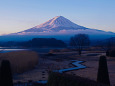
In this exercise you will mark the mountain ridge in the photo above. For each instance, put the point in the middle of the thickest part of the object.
(58, 23)
(58, 27)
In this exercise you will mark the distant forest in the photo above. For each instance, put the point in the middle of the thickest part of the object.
(35, 42)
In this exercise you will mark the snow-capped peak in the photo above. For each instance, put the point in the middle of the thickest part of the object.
(58, 21)
(55, 24)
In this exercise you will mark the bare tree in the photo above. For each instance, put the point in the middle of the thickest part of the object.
(79, 41)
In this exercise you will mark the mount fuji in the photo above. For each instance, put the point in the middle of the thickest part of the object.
(56, 24)
(61, 28)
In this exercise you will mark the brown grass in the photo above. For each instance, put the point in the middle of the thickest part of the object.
(21, 61)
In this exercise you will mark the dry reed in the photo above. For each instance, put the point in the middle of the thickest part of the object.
(21, 61)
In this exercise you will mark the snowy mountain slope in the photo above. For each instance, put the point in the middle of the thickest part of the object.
(58, 21)
(55, 24)
(59, 25)
(61, 28)
(67, 31)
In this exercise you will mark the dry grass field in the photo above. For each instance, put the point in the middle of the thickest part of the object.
(21, 61)
(61, 60)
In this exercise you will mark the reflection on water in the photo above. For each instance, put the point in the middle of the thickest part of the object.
(40, 50)
(10, 50)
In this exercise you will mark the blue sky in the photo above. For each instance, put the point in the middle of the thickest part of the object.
(18, 15)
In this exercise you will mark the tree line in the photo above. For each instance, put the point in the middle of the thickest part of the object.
(35, 42)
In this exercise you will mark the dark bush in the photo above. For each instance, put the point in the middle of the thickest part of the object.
(57, 79)
(54, 50)
(103, 75)
(107, 53)
(50, 54)
(112, 53)
(6, 74)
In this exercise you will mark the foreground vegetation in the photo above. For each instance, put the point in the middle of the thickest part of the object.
(71, 78)
(5, 74)
(21, 61)
(56, 79)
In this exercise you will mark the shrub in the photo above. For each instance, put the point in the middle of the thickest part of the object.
(65, 50)
(6, 74)
(107, 53)
(103, 76)
(112, 53)
(50, 54)
(21, 61)
(57, 79)
(54, 50)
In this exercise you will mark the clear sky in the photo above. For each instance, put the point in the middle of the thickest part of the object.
(18, 15)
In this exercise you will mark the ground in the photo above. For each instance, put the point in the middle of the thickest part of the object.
(61, 60)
